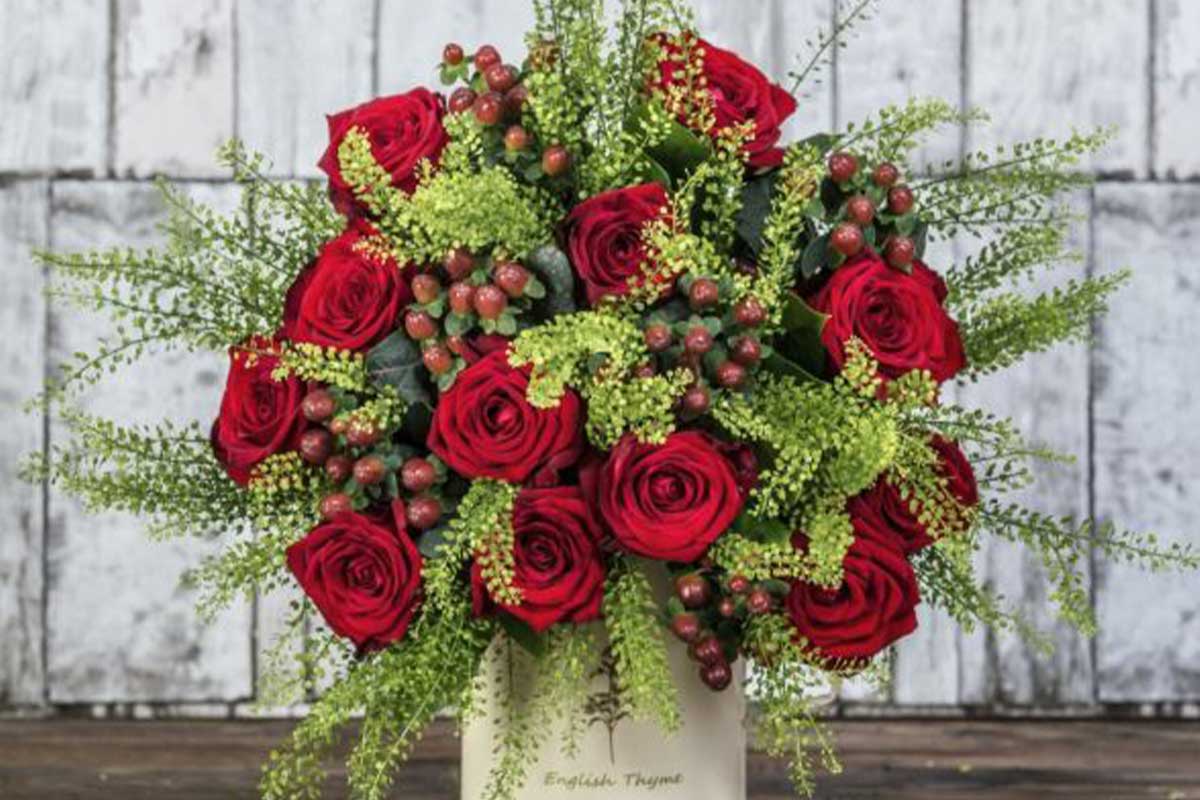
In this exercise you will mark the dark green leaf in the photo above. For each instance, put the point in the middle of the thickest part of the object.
(523, 635)
(432, 539)
(816, 255)
(650, 171)
(396, 362)
(756, 205)
(821, 141)
(681, 150)
(554, 270)
(906, 224)
(781, 365)
(801, 340)
(920, 237)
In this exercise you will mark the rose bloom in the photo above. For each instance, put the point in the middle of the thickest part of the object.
(741, 93)
(898, 316)
(668, 501)
(259, 415)
(558, 566)
(404, 129)
(363, 573)
(874, 607)
(483, 427)
(604, 238)
(347, 298)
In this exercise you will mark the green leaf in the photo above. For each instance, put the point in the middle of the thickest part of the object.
(801, 340)
(523, 635)
(681, 150)
(782, 365)
(554, 270)
(906, 224)
(534, 289)
(432, 539)
(396, 362)
(649, 170)
(459, 324)
(821, 141)
(756, 205)
(816, 255)
(920, 237)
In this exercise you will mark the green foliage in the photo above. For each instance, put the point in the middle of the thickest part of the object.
(311, 362)
(482, 527)
(894, 132)
(757, 560)
(795, 188)
(825, 44)
(644, 407)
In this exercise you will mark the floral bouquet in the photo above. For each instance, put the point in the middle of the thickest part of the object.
(582, 327)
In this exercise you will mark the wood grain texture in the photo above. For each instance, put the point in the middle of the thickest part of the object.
(297, 62)
(53, 85)
(1176, 88)
(23, 208)
(794, 26)
(120, 627)
(174, 92)
(1147, 437)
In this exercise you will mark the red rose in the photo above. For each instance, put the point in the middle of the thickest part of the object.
(348, 298)
(954, 467)
(259, 415)
(483, 427)
(557, 566)
(403, 128)
(741, 93)
(874, 606)
(898, 316)
(363, 574)
(668, 501)
(604, 237)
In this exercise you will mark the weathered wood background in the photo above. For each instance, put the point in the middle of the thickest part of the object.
(98, 96)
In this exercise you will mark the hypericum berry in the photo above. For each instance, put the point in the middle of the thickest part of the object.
(338, 426)
(511, 277)
(485, 57)
(453, 54)
(461, 297)
(437, 359)
(417, 474)
(847, 239)
(360, 433)
(901, 200)
(423, 512)
(686, 626)
(456, 345)
(717, 676)
(489, 108)
(461, 99)
(860, 210)
(703, 293)
(515, 100)
(759, 601)
(516, 139)
(556, 160)
(746, 351)
(419, 325)
(500, 77)
(842, 166)
(727, 608)
(370, 470)
(698, 340)
(334, 504)
(885, 175)
(490, 301)
(316, 445)
(458, 263)
(739, 584)
(900, 252)
(693, 590)
(707, 650)
(644, 371)
(339, 468)
(658, 337)
(749, 312)
(731, 375)
(695, 400)
(426, 288)
(318, 405)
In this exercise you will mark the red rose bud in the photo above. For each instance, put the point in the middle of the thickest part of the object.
(318, 405)
(717, 676)
(556, 160)
(316, 445)
(707, 650)
(417, 475)
(900, 252)
(370, 470)
(759, 601)
(842, 166)
(490, 301)
(462, 296)
(423, 512)
(339, 468)
(900, 200)
(452, 54)
(860, 210)
(336, 504)
(847, 239)
(885, 175)
(695, 400)
(500, 77)
(730, 375)
(749, 312)
(658, 338)
(462, 99)
(426, 288)
(485, 57)
(703, 293)
(419, 325)
(489, 108)
(698, 340)
(739, 584)
(437, 359)
(686, 626)
(693, 590)
(516, 139)
(511, 277)
(746, 351)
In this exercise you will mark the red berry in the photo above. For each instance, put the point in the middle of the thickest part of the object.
(437, 359)
(644, 371)
(516, 139)
(847, 239)
(458, 263)
(419, 325)
(730, 375)
(511, 277)
(485, 57)
(318, 405)
(335, 504)
(426, 288)
(860, 210)
(703, 293)
(695, 400)
(452, 54)
(362, 434)
(461, 99)
(500, 78)
(693, 590)
(515, 100)
(717, 676)
(490, 301)
(739, 584)
(456, 345)
(316, 445)
(417, 475)
(842, 166)
(489, 108)
(698, 340)
(338, 426)
(339, 468)
(900, 252)
(900, 200)
(749, 312)
(885, 175)
(556, 160)
(727, 608)
(746, 351)
(370, 470)
(423, 512)
(658, 337)
(707, 650)
(686, 626)
(759, 601)
(461, 297)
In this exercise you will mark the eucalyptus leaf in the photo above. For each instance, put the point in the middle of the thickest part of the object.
(396, 362)
(554, 270)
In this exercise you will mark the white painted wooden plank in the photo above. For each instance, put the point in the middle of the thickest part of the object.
(23, 327)
(53, 85)
(1043, 69)
(793, 24)
(121, 628)
(174, 85)
(1147, 438)
(1176, 88)
(299, 60)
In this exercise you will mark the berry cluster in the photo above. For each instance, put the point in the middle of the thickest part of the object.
(861, 221)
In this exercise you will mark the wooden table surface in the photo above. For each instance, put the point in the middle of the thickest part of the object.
(894, 759)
